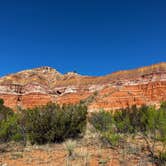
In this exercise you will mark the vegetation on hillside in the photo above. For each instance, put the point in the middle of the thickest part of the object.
(40, 125)
(147, 122)
(54, 123)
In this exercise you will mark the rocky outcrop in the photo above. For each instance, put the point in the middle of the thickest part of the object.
(30, 88)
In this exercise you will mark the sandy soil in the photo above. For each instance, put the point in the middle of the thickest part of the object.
(56, 155)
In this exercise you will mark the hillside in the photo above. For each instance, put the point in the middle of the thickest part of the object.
(29, 88)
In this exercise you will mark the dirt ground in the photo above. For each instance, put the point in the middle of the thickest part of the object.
(57, 155)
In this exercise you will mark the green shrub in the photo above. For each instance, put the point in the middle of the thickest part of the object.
(162, 124)
(146, 120)
(111, 137)
(4, 111)
(52, 123)
(131, 120)
(102, 120)
(1, 101)
(122, 122)
(161, 159)
(163, 105)
(10, 129)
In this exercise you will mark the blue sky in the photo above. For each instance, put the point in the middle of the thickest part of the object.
(92, 37)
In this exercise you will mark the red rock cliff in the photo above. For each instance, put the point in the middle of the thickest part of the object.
(29, 88)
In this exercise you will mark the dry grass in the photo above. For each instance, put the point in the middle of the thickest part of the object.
(88, 151)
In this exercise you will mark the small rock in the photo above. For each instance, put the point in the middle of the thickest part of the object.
(4, 164)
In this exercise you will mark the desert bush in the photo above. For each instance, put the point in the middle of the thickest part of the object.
(52, 123)
(161, 159)
(131, 120)
(10, 129)
(122, 121)
(9, 124)
(163, 105)
(111, 138)
(152, 127)
(4, 111)
(146, 121)
(102, 120)
(104, 123)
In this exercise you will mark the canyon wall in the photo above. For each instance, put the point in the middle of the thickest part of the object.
(30, 88)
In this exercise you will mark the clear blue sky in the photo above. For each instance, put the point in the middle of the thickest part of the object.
(92, 37)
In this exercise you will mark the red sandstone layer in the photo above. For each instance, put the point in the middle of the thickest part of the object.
(39, 86)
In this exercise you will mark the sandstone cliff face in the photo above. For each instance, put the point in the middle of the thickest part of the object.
(39, 86)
